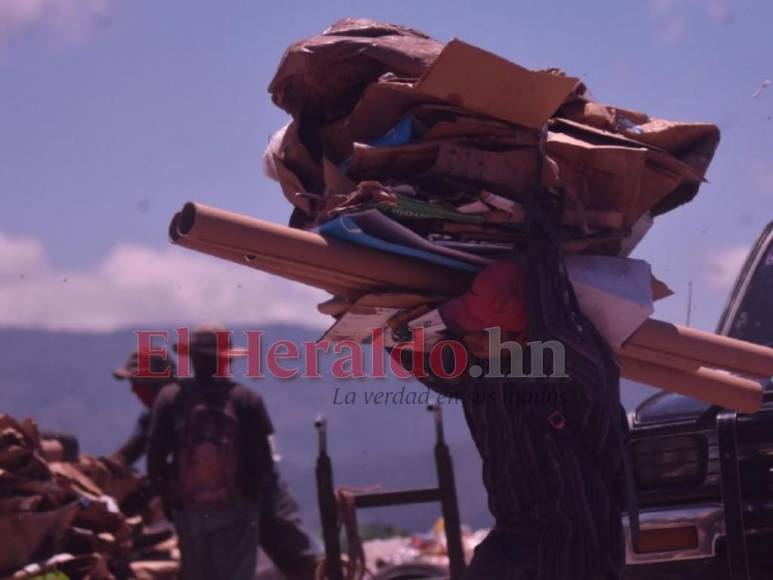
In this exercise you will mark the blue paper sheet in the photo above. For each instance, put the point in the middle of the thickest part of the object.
(345, 229)
(400, 134)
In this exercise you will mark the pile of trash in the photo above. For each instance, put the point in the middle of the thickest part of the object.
(91, 518)
(428, 548)
(426, 151)
(404, 144)
(412, 166)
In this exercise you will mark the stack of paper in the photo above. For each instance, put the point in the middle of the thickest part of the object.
(447, 141)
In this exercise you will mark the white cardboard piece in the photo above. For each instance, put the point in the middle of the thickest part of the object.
(614, 293)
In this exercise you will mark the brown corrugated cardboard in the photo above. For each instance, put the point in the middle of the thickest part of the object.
(475, 79)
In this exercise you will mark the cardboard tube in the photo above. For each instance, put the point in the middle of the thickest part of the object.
(282, 270)
(310, 274)
(658, 353)
(672, 361)
(252, 236)
(708, 385)
(659, 358)
(712, 349)
(296, 274)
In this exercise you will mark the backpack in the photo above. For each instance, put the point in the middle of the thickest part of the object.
(208, 455)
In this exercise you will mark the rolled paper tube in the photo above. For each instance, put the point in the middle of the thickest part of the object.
(712, 386)
(306, 273)
(314, 275)
(674, 361)
(252, 236)
(282, 270)
(714, 350)
(659, 358)
(315, 271)
(317, 277)
(661, 354)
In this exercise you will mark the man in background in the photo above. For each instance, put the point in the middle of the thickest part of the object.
(209, 457)
(282, 537)
(146, 390)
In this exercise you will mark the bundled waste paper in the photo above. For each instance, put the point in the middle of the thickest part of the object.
(84, 519)
(410, 166)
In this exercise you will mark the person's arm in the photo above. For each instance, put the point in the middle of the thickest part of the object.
(134, 447)
(161, 445)
(257, 429)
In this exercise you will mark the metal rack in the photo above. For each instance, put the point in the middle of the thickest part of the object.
(444, 492)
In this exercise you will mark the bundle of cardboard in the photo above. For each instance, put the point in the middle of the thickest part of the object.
(54, 516)
(410, 165)
(447, 141)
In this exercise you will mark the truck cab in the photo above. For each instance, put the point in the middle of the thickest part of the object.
(704, 474)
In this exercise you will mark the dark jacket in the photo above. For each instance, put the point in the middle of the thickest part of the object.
(552, 448)
(166, 423)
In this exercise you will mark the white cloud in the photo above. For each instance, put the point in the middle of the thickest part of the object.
(673, 16)
(143, 287)
(723, 266)
(719, 11)
(20, 255)
(69, 17)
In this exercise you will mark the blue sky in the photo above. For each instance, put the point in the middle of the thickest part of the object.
(114, 113)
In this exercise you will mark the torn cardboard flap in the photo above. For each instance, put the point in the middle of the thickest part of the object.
(685, 149)
(479, 80)
(382, 104)
(358, 322)
(656, 154)
(665, 179)
(602, 177)
(660, 289)
(692, 143)
(375, 310)
(336, 181)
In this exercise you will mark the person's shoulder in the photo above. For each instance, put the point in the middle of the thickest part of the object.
(243, 393)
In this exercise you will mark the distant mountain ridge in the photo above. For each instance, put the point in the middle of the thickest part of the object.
(64, 381)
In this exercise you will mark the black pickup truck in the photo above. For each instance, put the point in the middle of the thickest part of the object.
(705, 474)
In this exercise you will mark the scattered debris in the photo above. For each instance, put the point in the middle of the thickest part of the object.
(86, 519)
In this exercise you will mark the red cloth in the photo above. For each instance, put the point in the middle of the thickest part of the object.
(497, 298)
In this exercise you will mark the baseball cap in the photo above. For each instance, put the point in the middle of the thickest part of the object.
(129, 370)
